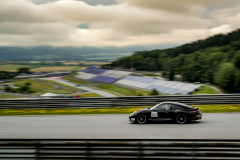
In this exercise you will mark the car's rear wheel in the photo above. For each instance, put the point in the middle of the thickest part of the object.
(141, 119)
(181, 118)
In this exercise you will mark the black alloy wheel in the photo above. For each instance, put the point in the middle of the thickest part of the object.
(141, 119)
(181, 119)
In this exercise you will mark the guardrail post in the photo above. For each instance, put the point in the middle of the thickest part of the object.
(37, 153)
(139, 150)
(193, 150)
(87, 152)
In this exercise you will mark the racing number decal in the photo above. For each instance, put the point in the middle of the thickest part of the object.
(154, 114)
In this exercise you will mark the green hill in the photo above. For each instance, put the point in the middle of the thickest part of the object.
(215, 59)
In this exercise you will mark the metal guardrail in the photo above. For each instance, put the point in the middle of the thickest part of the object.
(132, 149)
(118, 101)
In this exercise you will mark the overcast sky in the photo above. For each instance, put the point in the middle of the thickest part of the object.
(119, 23)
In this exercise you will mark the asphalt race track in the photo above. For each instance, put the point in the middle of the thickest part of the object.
(212, 126)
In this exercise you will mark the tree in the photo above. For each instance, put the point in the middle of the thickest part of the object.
(237, 61)
(7, 89)
(24, 70)
(171, 74)
(27, 84)
(6, 75)
(226, 77)
(25, 88)
(154, 92)
(164, 74)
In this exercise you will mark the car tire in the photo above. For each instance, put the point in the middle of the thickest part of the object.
(181, 118)
(141, 119)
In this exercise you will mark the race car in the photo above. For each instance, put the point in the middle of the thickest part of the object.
(179, 112)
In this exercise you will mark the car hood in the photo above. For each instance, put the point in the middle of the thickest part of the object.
(144, 109)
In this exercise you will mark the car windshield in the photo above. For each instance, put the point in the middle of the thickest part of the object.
(186, 105)
(155, 106)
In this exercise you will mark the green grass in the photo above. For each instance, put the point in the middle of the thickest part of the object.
(40, 88)
(56, 83)
(77, 68)
(62, 91)
(12, 67)
(6, 96)
(116, 89)
(127, 91)
(71, 78)
(34, 84)
(114, 110)
(6, 112)
(90, 95)
(153, 75)
(218, 108)
(95, 62)
(206, 90)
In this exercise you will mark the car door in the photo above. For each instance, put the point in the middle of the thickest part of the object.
(163, 111)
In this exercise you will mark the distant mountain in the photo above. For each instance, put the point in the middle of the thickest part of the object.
(69, 53)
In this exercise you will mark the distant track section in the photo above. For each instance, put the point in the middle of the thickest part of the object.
(118, 101)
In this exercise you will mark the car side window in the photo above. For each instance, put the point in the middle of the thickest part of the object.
(164, 107)
(177, 107)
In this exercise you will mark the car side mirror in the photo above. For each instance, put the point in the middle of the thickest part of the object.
(154, 109)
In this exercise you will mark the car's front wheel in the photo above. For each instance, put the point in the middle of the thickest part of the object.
(141, 119)
(181, 118)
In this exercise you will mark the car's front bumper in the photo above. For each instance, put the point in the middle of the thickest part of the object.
(132, 117)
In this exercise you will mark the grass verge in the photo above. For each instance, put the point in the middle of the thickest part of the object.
(90, 95)
(71, 78)
(153, 75)
(124, 90)
(6, 96)
(218, 108)
(11, 112)
(206, 90)
(56, 83)
(34, 84)
(115, 110)
(39, 88)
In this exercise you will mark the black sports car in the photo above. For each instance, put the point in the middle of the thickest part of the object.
(179, 112)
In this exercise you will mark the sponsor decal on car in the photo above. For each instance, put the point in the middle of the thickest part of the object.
(154, 114)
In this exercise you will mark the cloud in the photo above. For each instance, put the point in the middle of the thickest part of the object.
(129, 22)
(178, 6)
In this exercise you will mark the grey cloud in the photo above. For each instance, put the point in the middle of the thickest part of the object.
(21, 11)
(35, 28)
(179, 6)
(130, 22)
(90, 2)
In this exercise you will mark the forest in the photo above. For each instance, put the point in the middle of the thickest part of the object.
(214, 60)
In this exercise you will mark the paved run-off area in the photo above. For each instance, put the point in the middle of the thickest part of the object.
(108, 126)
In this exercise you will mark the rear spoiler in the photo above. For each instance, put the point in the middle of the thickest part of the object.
(197, 108)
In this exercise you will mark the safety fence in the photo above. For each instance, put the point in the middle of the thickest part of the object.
(131, 149)
(118, 101)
